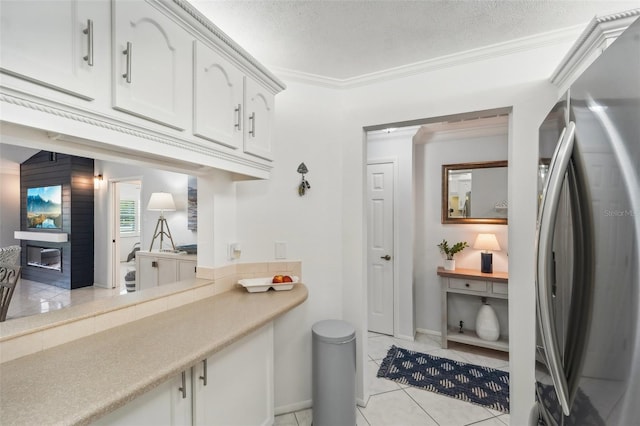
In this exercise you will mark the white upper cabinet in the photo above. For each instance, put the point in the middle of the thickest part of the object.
(152, 64)
(144, 77)
(59, 44)
(218, 92)
(259, 115)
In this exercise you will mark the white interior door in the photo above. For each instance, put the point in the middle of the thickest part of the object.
(114, 234)
(380, 247)
(124, 234)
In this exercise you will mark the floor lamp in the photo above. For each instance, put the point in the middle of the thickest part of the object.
(162, 202)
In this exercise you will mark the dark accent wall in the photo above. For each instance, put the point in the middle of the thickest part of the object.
(75, 174)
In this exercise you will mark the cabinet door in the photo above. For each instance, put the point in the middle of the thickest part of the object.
(163, 405)
(258, 119)
(60, 44)
(239, 389)
(152, 64)
(186, 270)
(167, 270)
(146, 273)
(218, 90)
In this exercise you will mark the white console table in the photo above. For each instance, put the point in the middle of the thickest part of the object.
(475, 283)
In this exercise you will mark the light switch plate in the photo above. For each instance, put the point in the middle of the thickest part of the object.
(281, 250)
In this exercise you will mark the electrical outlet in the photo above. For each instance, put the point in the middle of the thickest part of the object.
(234, 251)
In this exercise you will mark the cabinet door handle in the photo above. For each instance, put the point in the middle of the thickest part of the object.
(129, 53)
(183, 388)
(238, 111)
(466, 284)
(204, 373)
(252, 119)
(154, 264)
(89, 32)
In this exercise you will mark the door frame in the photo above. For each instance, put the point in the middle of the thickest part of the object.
(396, 271)
(113, 240)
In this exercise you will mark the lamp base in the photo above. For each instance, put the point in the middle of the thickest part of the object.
(486, 263)
(162, 223)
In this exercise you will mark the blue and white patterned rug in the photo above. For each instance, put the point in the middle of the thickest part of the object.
(468, 382)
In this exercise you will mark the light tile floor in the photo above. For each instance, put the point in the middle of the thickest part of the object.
(399, 405)
(31, 297)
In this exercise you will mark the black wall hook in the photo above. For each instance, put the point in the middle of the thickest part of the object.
(304, 185)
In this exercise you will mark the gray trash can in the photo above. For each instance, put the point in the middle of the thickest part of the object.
(334, 373)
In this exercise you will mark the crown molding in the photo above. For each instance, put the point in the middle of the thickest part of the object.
(444, 130)
(510, 47)
(596, 37)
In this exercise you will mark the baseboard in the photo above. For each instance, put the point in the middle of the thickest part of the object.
(303, 405)
(403, 337)
(429, 332)
(290, 408)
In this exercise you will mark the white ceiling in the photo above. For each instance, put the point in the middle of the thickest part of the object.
(350, 38)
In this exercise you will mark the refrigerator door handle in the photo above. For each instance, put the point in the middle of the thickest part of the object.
(544, 269)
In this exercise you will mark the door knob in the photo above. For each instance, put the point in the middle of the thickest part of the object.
(385, 257)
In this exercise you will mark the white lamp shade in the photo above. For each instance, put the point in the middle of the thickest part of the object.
(161, 201)
(487, 242)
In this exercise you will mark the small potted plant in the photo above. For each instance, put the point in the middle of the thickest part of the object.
(450, 263)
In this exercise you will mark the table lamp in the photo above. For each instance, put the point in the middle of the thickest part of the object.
(162, 202)
(486, 242)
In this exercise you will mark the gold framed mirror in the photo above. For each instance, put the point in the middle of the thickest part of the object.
(475, 193)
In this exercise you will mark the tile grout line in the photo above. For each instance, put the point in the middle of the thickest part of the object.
(418, 404)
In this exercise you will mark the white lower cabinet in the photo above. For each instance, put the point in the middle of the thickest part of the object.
(238, 390)
(156, 268)
(164, 405)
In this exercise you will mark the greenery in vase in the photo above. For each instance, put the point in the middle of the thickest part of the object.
(450, 251)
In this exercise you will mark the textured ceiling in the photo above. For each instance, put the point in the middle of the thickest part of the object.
(347, 39)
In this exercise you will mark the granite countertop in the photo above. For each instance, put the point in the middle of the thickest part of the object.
(79, 381)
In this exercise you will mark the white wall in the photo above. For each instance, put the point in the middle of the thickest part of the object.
(326, 228)
(307, 130)
(9, 205)
(153, 180)
(430, 155)
(217, 218)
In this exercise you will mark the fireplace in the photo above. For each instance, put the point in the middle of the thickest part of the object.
(60, 256)
(44, 257)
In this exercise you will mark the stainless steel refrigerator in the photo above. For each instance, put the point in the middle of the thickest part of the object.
(588, 270)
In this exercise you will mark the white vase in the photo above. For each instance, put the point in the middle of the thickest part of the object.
(487, 325)
(450, 265)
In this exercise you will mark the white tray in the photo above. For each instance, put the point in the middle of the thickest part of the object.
(258, 285)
